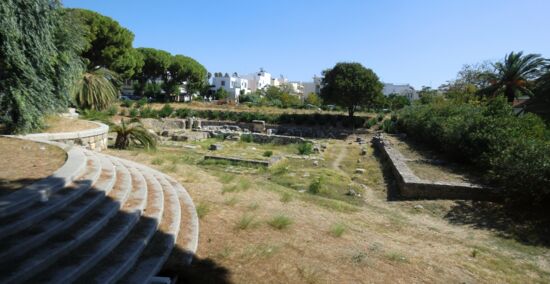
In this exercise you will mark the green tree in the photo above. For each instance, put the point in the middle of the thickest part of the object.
(184, 69)
(221, 94)
(514, 75)
(313, 99)
(350, 85)
(155, 66)
(109, 45)
(39, 61)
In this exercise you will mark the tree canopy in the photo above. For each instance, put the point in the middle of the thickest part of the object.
(185, 69)
(155, 66)
(350, 85)
(39, 61)
(108, 44)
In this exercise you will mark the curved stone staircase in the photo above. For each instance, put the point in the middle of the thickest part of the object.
(98, 219)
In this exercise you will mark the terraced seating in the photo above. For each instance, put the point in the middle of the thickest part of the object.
(101, 220)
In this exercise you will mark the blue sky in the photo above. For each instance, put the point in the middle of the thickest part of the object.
(423, 42)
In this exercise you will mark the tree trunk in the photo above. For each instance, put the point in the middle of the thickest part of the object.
(351, 111)
(122, 141)
(510, 94)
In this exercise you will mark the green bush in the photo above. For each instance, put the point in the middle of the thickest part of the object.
(268, 153)
(148, 112)
(166, 111)
(133, 112)
(305, 148)
(512, 151)
(389, 126)
(112, 110)
(126, 103)
(247, 138)
(315, 186)
(141, 103)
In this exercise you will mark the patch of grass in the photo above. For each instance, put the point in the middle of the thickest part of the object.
(337, 230)
(202, 209)
(224, 253)
(231, 201)
(268, 153)
(286, 197)
(248, 138)
(170, 168)
(226, 178)
(261, 251)
(157, 161)
(280, 222)
(396, 257)
(240, 185)
(253, 207)
(246, 222)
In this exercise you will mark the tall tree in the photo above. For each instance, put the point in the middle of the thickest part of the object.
(514, 75)
(185, 69)
(155, 66)
(39, 61)
(350, 85)
(109, 45)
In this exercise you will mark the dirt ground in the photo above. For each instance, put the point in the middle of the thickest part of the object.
(24, 162)
(330, 240)
(56, 124)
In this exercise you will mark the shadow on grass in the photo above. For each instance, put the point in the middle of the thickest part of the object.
(200, 271)
(514, 223)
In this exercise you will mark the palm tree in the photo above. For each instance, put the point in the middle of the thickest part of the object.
(97, 89)
(133, 132)
(514, 75)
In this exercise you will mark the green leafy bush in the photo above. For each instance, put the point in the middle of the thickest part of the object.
(148, 112)
(512, 151)
(126, 103)
(305, 148)
(247, 138)
(112, 110)
(134, 112)
(315, 186)
(268, 153)
(166, 111)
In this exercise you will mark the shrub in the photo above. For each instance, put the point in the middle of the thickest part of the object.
(305, 148)
(141, 102)
(380, 117)
(315, 186)
(112, 110)
(512, 151)
(280, 222)
(389, 126)
(126, 103)
(268, 153)
(166, 111)
(148, 112)
(247, 138)
(133, 112)
(371, 122)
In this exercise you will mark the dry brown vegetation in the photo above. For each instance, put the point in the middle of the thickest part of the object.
(334, 238)
(56, 124)
(24, 162)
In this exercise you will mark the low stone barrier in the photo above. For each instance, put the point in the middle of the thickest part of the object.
(92, 139)
(411, 186)
(236, 160)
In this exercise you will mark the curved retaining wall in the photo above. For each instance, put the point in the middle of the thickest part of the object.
(91, 139)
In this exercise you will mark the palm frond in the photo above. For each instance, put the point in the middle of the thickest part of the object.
(97, 89)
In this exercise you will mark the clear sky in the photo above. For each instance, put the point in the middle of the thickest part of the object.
(423, 42)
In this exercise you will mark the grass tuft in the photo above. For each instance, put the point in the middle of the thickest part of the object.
(245, 222)
(337, 230)
(202, 209)
(280, 222)
(286, 197)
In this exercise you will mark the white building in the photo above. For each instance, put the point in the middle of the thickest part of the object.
(400, 90)
(313, 87)
(259, 80)
(234, 85)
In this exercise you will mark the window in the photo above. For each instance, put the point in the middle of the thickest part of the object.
(223, 83)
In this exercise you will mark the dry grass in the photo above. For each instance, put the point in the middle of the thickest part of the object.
(24, 162)
(390, 242)
(56, 124)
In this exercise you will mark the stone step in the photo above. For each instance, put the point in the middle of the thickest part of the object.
(26, 266)
(160, 247)
(36, 235)
(89, 253)
(40, 210)
(21, 199)
(120, 260)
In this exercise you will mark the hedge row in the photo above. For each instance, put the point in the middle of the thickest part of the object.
(513, 152)
(284, 118)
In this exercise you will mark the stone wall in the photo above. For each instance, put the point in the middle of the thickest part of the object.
(411, 186)
(92, 139)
